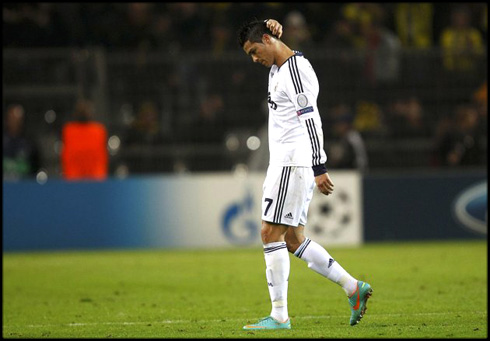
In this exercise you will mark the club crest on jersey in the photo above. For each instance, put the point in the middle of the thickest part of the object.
(273, 105)
(304, 111)
(302, 100)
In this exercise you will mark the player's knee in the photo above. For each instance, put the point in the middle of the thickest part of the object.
(269, 236)
(265, 235)
(271, 233)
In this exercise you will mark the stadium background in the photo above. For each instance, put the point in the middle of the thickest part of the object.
(185, 110)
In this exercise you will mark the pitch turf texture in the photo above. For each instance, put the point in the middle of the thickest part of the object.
(421, 290)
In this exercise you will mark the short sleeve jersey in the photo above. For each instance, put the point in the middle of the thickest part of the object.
(295, 127)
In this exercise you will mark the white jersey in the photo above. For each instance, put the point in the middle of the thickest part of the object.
(295, 126)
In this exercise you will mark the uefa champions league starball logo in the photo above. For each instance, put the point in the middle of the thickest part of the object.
(329, 216)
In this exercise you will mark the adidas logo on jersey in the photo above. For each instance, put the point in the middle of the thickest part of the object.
(288, 216)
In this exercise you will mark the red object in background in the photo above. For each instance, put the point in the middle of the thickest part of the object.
(84, 154)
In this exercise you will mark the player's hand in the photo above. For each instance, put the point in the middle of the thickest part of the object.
(275, 27)
(324, 183)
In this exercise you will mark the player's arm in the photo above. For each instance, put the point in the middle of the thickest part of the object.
(300, 91)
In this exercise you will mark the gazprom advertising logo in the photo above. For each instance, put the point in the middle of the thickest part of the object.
(239, 224)
(470, 208)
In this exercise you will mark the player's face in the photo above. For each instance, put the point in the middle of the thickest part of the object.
(259, 52)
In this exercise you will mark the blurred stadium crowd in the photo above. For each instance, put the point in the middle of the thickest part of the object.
(211, 26)
(402, 85)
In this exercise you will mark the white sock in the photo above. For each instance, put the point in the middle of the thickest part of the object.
(319, 260)
(277, 272)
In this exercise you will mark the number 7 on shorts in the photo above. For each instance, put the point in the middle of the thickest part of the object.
(269, 203)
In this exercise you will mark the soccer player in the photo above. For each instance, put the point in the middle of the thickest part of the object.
(296, 164)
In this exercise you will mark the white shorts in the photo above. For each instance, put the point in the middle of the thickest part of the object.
(287, 194)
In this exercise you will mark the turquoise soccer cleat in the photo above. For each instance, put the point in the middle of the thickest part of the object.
(269, 323)
(358, 301)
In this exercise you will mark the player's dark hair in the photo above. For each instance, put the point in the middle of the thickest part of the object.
(253, 32)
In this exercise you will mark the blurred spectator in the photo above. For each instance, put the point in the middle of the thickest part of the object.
(382, 48)
(20, 154)
(84, 153)
(145, 129)
(481, 94)
(296, 32)
(480, 102)
(342, 36)
(221, 37)
(242, 12)
(348, 150)
(345, 56)
(190, 20)
(358, 13)
(209, 126)
(99, 22)
(369, 119)
(320, 18)
(483, 19)
(162, 34)
(413, 24)
(28, 24)
(458, 142)
(405, 117)
(137, 31)
(146, 133)
(461, 42)
(68, 25)
(361, 15)
(480, 99)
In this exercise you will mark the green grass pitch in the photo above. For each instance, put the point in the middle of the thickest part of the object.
(421, 290)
